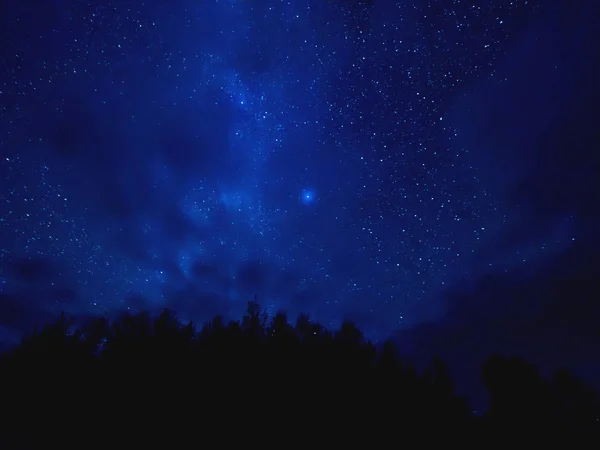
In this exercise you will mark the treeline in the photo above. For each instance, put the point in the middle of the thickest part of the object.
(139, 379)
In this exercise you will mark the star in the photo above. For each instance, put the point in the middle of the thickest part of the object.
(307, 197)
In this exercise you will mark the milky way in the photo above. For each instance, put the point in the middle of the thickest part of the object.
(193, 154)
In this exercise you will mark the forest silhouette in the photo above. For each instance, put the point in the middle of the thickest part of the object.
(141, 380)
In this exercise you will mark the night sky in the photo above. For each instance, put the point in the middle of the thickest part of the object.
(428, 169)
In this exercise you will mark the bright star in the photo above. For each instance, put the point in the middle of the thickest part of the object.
(307, 196)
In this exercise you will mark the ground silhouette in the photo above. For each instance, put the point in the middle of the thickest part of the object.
(143, 380)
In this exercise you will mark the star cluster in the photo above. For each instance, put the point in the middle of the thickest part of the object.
(193, 154)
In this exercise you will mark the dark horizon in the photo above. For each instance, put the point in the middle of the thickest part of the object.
(142, 378)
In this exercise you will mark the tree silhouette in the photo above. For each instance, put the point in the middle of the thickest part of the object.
(138, 375)
(577, 404)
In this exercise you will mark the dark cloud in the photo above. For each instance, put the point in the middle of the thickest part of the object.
(197, 149)
(548, 316)
(137, 302)
(62, 295)
(74, 131)
(202, 270)
(305, 301)
(284, 282)
(345, 263)
(537, 122)
(195, 304)
(253, 275)
(212, 275)
(537, 125)
(33, 269)
(20, 313)
(178, 227)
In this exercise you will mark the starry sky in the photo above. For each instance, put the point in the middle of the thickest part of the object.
(412, 165)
